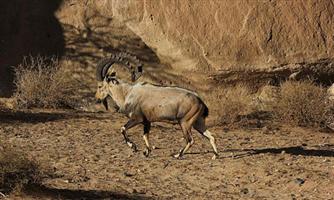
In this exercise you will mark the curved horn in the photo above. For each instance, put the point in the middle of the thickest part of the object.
(103, 67)
(136, 69)
(122, 58)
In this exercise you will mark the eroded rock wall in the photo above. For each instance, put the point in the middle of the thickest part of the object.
(236, 34)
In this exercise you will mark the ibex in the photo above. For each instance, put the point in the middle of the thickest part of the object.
(144, 103)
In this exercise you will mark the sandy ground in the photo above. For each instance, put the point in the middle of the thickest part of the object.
(89, 160)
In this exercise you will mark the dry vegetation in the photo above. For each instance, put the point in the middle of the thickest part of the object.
(302, 104)
(231, 105)
(16, 170)
(295, 103)
(41, 82)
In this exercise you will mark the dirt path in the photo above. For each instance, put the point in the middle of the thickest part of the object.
(89, 159)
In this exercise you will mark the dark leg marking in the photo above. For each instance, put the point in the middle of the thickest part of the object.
(189, 140)
(131, 123)
(147, 128)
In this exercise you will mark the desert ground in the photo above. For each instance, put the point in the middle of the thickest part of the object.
(88, 159)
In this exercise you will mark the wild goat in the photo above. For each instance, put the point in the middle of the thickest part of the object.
(144, 103)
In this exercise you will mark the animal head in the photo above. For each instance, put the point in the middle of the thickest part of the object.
(106, 74)
(105, 88)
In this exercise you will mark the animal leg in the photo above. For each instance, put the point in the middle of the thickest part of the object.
(186, 129)
(199, 125)
(147, 127)
(186, 124)
(131, 123)
(208, 134)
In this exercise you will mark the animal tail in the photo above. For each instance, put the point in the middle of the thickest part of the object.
(206, 109)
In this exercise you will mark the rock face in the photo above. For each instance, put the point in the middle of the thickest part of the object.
(238, 34)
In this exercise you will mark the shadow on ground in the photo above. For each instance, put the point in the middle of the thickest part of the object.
(319, 150)
(41, 117)
(54, 193)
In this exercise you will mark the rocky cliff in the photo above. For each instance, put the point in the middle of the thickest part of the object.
(230, 40)
(234, 34)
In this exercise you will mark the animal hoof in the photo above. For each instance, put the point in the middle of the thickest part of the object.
(214, 157)
(146, 153)
(178, 156)
(134, 148)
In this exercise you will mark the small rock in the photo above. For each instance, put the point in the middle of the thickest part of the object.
(244, 191)
(265, 130)
(299, 181)
(128, 174)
